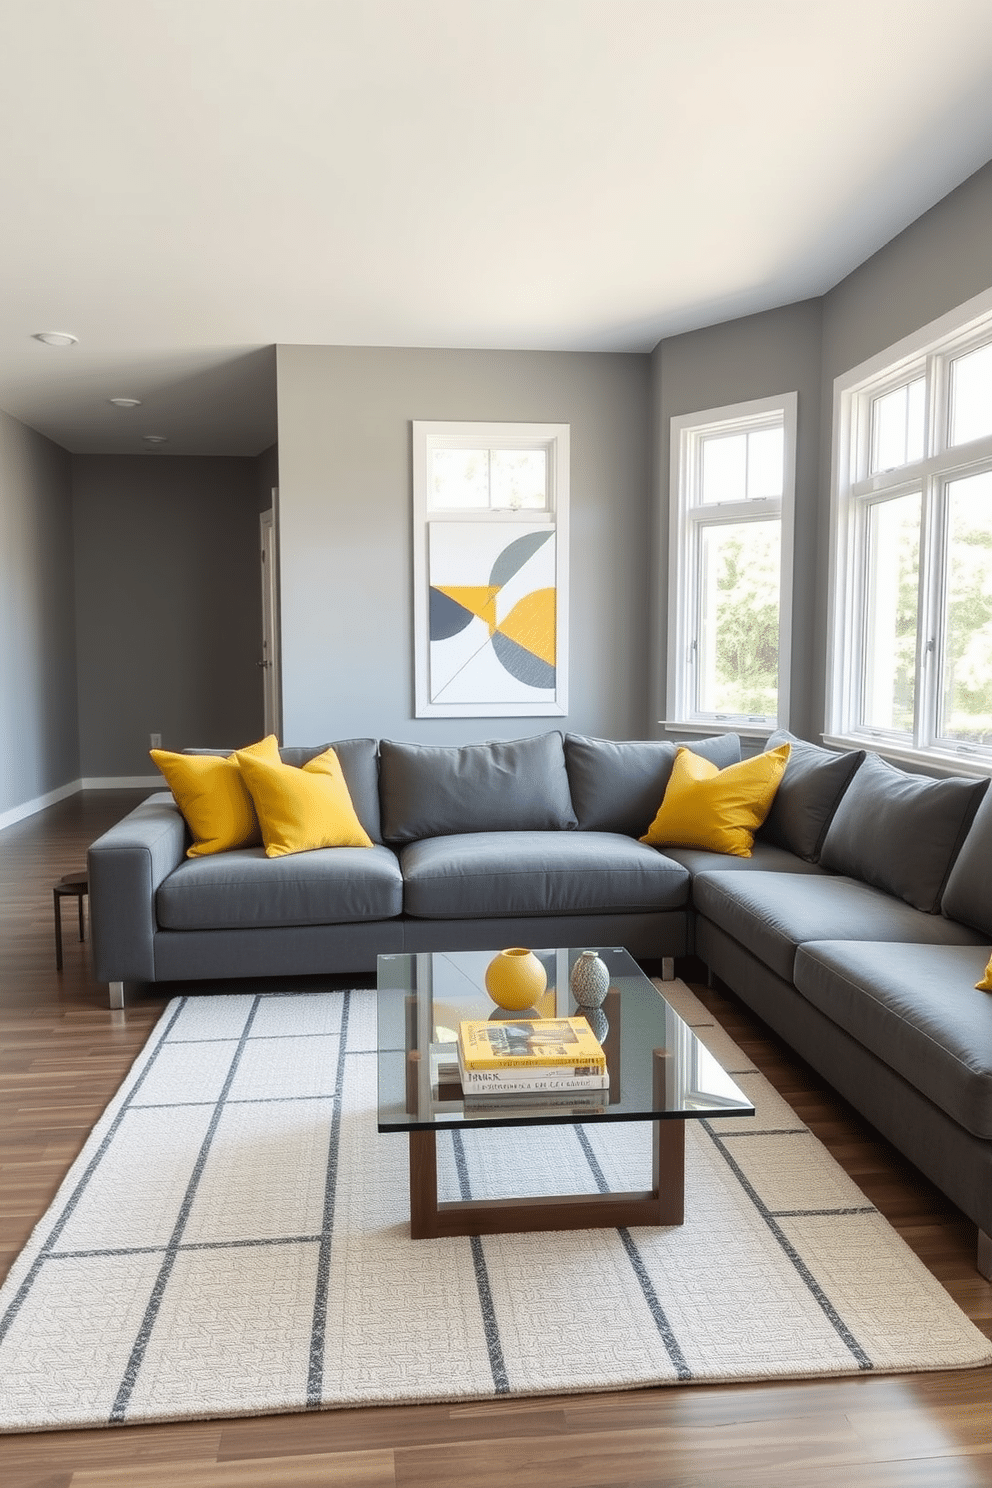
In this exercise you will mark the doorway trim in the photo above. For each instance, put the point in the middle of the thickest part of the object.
(269, 663)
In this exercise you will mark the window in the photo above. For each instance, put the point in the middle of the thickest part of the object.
(730, 568)
(490, 508)
(910, 666)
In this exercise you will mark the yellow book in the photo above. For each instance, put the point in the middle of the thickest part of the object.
(530, 1043)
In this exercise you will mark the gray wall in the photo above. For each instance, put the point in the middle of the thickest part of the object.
(756, 357)
(266, 475)
(39, 738)
(345, 530)
(168, 606)
(941, 260)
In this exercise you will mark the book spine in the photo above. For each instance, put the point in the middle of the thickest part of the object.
(579, 1100)
(552, 1081)
(535, 1062)
(592, 1077)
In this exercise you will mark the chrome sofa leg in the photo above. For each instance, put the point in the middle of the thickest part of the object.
(985, 1255)
(668, 968)
(116, 994)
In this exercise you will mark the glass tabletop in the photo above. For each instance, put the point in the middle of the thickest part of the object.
(658, 1068)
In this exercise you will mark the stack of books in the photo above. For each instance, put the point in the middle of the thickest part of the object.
(532, 1060)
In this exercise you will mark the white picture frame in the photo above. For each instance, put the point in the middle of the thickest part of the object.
(490, 590)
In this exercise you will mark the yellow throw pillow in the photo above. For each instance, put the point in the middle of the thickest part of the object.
(302, 809)
(985, 985)
(717, 809)
(211, 795)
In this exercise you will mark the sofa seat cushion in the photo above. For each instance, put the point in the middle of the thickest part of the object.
(765, 858)
(537, 873)
(773, 914)
(916, 1008)
(336, 885)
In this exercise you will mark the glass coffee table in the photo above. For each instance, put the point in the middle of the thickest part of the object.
(659, 1072)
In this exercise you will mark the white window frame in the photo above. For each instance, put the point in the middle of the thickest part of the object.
(687, 518)
(854, 489)
(554, 440)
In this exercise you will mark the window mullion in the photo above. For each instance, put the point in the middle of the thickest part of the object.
(937, 410)
(694, 615)
(855, 682)
(941, 563)
(927, 641)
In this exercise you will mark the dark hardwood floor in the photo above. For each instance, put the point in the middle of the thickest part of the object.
(62, 1056)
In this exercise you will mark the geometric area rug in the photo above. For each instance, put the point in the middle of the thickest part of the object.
(234, 1240)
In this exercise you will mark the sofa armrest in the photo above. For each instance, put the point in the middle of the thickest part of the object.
(126, 866)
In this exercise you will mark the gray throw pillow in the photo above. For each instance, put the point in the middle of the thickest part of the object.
(901, 832)
(515, 785)
(618, 785)
(809, 793)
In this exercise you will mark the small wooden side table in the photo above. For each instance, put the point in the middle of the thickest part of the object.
(70, 886)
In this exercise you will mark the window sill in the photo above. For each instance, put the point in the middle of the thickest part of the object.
(925, 761)
(722, 726)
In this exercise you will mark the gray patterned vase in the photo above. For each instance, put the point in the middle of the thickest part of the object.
(589, 980)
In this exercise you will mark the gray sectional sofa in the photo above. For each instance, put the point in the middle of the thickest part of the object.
(857, 929)
(473, 847)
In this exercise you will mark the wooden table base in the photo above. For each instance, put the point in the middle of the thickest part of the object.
(664, 1204)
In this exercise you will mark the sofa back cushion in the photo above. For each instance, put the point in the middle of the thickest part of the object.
(968, 895)
(618, 785)
(810, 791)
(901, 832)
(513, 785)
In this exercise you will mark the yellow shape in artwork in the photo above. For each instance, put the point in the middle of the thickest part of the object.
(479, 599)
(531, 623)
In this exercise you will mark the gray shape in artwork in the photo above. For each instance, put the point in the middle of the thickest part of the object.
(523, 664)
(447, 616)
(513, 558)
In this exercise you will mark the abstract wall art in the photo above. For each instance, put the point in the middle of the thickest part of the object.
(491, 618)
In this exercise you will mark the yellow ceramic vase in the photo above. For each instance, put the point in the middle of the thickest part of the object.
(515, 979)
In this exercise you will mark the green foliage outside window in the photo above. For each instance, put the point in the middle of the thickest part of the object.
(968, 644)
(744, 603)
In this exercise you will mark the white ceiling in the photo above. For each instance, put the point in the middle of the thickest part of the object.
(185, 183)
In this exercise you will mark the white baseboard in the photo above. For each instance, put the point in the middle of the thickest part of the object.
(95, 782)
(28, 808)
(123, 782)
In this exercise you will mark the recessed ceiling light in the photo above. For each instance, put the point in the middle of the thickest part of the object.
(125, 402)
(56, 338)
(155, 438)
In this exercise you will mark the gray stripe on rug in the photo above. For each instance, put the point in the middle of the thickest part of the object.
(821, 1213)
(788, 1249)
(318, 1333)
(661, 1321)
(67, 1211)
(119, 1409)
(497, 1364)
(189, 1247)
